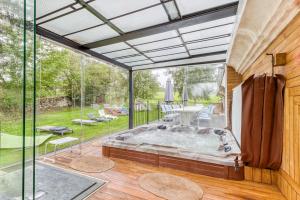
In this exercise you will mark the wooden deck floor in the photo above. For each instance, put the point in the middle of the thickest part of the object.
(123, 181)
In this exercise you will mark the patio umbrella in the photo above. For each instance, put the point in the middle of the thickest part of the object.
(185, 95)
(169, 96)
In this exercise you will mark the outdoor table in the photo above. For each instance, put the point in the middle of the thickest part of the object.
(187, 113)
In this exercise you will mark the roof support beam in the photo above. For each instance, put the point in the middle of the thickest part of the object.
(99, 16)
(206, 58)
(111, 25)
(62, 40)
(182, 65)
(197, 18)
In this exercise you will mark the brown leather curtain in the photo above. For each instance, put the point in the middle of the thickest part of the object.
(262, 121)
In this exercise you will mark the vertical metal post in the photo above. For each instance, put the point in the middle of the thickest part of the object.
(82, 98)
(131, 103)
(147, 116)
(158, 111)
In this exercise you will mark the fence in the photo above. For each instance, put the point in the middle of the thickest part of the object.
(145, 112)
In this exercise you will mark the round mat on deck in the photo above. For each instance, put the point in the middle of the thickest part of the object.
(92, 164)
(170, 187)
(96, 144)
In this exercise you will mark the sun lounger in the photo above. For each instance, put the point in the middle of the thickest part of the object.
(61, 130)
(112, 111)
(84, 121)
(103, 114)
(8, 141)
(91, 116)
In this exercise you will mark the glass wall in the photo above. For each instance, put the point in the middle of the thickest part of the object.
(205, 90)
(49, 95)
(148, 93)
(201, 86)
(17, 53)
(80, 95)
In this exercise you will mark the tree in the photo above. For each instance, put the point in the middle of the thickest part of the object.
(97, 80)
(11, 58)
(203, 74)
(59, 70)
(145, 85)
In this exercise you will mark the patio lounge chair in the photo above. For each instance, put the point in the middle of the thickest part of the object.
(84, 121)
(112, 111)
(104, 115)
(175, 106)
(9, 141)
(170, 116)
(91, 116)
(61, 130)
(205, 114)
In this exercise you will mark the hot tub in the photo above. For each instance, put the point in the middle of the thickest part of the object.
(206, 151)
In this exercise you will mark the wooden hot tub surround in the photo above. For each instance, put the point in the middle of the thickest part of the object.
(194, 166)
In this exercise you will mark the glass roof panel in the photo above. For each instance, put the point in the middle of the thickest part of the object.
(208, 43)
(166, 52)
(212, 32)
(184, 62)
(172, 10)
(115, 8)
(160, 44)
(143, 62)
(44, 7)
(94, 34)
(146, 18)
(191, 6)
(125, 52)
(132, 59)
(73, 22)
(213, 23)
(112, 47)
(68, 9)
(209, 50)
(154, 37)
(171, 57)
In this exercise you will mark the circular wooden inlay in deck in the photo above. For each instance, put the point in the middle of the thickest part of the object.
(170, 187)
(92, 164)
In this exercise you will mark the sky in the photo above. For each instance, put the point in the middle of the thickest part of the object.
(161, 76)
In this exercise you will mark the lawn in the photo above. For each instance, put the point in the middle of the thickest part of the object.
(58, 118)
(64, 117)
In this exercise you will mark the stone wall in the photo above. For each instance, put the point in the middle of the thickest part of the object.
(54, 102)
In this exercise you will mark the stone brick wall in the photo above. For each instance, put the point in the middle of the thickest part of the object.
(54, 102)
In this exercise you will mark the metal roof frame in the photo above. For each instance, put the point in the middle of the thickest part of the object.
(180, 21)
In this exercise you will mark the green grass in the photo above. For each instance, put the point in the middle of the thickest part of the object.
(64, 117)
(58, 118)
